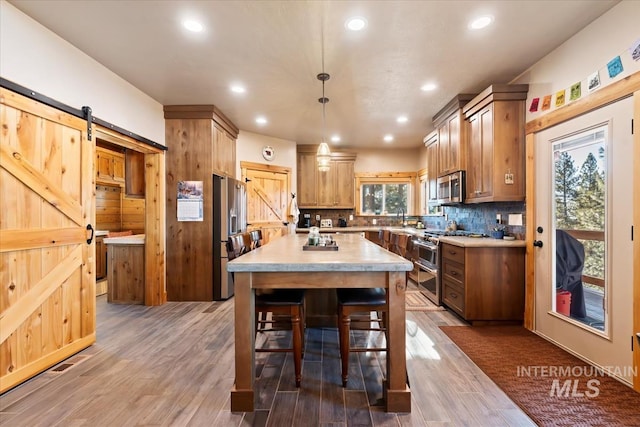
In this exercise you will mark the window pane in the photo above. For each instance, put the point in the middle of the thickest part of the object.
(580, 200)
(372, 198)
(385, 199)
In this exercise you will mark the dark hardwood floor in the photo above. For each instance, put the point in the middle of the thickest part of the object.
(173, 365)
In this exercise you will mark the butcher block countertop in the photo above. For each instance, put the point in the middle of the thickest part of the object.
(354, 253)
(136, 239)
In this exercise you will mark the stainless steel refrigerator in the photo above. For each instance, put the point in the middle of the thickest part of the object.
(229, 218)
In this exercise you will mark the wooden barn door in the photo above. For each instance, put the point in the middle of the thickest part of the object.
(267, 198)
(47, 277)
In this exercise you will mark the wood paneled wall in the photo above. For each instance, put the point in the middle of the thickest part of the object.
(116, 212)
(133, 214)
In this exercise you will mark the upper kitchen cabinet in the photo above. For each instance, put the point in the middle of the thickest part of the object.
(452, 134)
(211, 137)
(334, 188)
(431, 182)
(134, 168)
(496, 152)
(110, 167)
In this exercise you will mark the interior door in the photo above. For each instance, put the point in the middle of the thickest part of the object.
(47, 277)
(267, 200)
(583, 183)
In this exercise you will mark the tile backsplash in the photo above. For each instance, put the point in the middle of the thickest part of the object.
(479, 218)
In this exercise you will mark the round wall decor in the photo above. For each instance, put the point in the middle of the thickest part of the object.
(268, 153)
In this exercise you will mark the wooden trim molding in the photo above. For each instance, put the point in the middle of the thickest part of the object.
(263, 167)
(209, 111)
(121, 140)
(636, 239)
(530, 194)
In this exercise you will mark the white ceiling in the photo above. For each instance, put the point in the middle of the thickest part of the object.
(275, 48)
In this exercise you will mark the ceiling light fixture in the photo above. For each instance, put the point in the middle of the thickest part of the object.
(388, 138)
(335, 138)
(481, 22)
(261, 120)
(238, 89)
(356, 23)
(402, 119)
(193, 26)
(323, 155)
(428, 87)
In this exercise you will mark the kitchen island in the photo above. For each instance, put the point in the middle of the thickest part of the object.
(357, 263)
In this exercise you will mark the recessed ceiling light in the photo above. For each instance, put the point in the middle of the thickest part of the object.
(192, 25)
(402, 119)
(261, 120)
(335, 138)
(481, 22)
(356, 23)
(428, 87)
(388, 138)
(238, 89)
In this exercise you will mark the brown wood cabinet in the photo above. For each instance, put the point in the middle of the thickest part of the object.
(483, 283)
(201, 142)
(431, 187)
(110, 167)
(125, 274)
(334, 188)
(134, 170)
(452, 135)
(496, 152)
(101, 258)
(224, 148)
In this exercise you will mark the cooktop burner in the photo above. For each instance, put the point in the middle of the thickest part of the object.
(463, 233)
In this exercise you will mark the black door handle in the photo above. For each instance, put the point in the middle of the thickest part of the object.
(537, 243)
(90, 239)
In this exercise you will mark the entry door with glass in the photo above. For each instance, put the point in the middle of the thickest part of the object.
(583, 254)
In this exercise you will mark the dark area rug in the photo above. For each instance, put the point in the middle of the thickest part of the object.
(553, 387)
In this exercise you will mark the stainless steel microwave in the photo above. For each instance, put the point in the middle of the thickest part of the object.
(450, 189)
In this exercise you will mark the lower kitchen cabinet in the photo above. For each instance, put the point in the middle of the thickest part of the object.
(101, 258)
(483, 284)
(125, 274)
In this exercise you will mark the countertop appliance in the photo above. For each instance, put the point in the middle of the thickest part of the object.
(326, 223)
(229, 218)
(305, 221)
(450, 188)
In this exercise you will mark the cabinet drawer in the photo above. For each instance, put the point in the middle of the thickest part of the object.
(454, 253)
(453, 296)
(455, 271)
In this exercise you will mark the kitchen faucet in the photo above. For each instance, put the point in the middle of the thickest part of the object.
(401, 210)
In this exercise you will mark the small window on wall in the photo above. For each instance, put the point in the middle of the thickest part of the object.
(385, 196)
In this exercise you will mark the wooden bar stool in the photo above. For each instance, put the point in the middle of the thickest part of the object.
(358, 301)
(255, 237)
(385, 237)
(286, 303)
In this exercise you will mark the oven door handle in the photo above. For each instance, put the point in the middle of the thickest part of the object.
(427, 269)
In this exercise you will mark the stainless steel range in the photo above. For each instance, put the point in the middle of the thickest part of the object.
(427, 265)
(428, 262)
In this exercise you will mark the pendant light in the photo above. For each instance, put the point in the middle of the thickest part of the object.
(324, 153)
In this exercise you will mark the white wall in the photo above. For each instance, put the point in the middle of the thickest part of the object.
(590, 50)
(249, 149)
(36, 58)
(386, 160)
